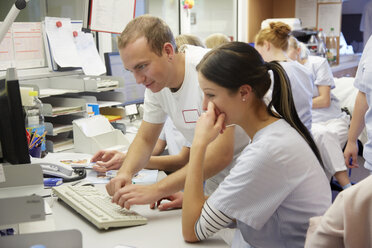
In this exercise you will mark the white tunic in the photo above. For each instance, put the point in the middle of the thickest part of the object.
(322, 75)
(330, 125)
(302, 90)
(273, 190)
(366, 22)
(363, 82)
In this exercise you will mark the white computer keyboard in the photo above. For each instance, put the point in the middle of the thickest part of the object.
(97, 207)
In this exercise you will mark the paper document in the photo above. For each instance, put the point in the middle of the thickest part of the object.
(327, 17)
(144, 176)
(7, 51)
(59, 128)
(2, 175)
(53, 92)
(111, 15)
(65, 158)
(66, 110)
(61, 42)
(91, 61)
(22, 46)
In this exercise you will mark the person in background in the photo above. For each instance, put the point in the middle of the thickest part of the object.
(215, 40)
(187, 39)
(148, 49)
(362, 114)
(347, 223)
(277, 183)
(330, 125)
(272, 44)
(366, 22)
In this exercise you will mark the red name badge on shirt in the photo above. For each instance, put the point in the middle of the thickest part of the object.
(190, 115)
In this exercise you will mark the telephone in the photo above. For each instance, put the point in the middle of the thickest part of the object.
(67, 173)
(68, 166)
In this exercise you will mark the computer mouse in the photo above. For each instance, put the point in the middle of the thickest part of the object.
(87, 184)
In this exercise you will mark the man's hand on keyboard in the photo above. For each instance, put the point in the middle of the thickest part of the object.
(136, 194)
(174, 202)
(107, 160)
(118, 183)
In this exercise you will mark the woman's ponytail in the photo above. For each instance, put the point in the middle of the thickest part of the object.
(282, 103)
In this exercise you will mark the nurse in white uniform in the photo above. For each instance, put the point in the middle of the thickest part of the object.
(330, 124)
(277, 182)
(366, 22)
(272, 43)
(362, 114)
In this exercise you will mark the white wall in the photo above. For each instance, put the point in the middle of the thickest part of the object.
(214, 16)
(167, 10)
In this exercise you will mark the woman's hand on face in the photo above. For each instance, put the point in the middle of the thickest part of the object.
(209, 124)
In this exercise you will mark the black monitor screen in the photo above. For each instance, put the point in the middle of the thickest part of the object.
(12, 124)
(133, 92)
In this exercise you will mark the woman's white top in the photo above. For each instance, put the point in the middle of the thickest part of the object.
(323, 76)
(302, 90)
(366, 22)
(363, 82)
(276, 185)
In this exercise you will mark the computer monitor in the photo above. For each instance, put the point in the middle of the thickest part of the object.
(134, 93)
(12, 121)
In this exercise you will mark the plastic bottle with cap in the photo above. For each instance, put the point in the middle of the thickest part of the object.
(322, 50)
(332, 48)
(34, 118)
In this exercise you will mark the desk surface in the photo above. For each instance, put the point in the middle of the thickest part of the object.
(163, 229)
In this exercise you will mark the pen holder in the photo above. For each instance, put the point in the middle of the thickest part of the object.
(35, 151)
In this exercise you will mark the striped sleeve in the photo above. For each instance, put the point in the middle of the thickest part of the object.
(210, 221)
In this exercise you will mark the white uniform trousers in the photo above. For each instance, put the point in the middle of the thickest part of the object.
(330, 137)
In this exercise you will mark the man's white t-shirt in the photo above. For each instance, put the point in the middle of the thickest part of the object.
(184, 108)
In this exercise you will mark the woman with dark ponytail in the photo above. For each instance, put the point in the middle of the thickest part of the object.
(277, 183)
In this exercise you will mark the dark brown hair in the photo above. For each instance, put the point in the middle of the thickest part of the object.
(236, 63)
